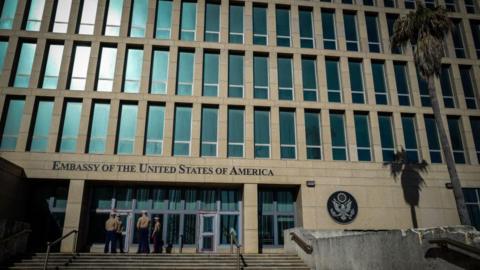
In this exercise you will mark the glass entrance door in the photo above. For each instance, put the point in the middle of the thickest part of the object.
(207, 232)
(126, 219)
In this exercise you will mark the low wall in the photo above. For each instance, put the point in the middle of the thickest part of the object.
(12, 247)
(13, 191)
(392, 249)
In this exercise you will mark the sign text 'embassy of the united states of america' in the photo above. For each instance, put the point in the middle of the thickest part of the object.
(153, 168)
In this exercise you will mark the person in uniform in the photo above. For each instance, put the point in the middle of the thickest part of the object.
(118, 233)
(157, 236)
(142, 226)
(111, 226)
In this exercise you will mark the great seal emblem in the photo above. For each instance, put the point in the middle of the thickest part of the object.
(342, 207)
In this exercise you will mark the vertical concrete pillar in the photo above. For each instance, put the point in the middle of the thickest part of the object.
(72, 213)
(250, 218)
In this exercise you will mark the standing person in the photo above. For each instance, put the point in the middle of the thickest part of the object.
(118, 233)
(110, 238)
(142, 227)
(157, 236)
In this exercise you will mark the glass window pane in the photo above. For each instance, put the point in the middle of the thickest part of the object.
(189, 229)
(402, 83)
(159, 74)
(164, 19)
(155, 125)
(185, 73)
(8, 14)
(87, 18)
(138, 22)
(236, 24)
(71, 126)
(114, 18)
(210, 74)
(456, 139)
(468, 86)
(188, 21)
(306, 29)
(282, 17)
(62, 16)
(328, 27)
(24, 64)
(212, 22)
(209, 132)
(433, 141)
(3, 53)
(235, 75)
(208, 200)
(351, 36)
(409, 134)
(313, 135)
(285, 78)
(133, 72)
(78, 76)
(229, 200)
(475, 123)
(260, 77)
(386, 137)
(182, 132)
(446, 87)
(52, 66)
(41, 126)
(337, 131)
(262, 133)
(309, 79)
(259, 25)
(378, 73)
(227, 223)
(173, 229)
(371, 21)
(127, 129)
(284, 223)
(333, 80)
(35, 13)
(106, 71)
(99, 128)
(287, 134)
(362, 134)
(356, 81)
(11, 126)
(235, 132)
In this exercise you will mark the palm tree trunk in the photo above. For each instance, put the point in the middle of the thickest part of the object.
(447, 153)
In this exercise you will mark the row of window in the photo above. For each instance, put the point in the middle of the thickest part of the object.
(138, 23)
(209, 138)
(450, 5)
(131, 82)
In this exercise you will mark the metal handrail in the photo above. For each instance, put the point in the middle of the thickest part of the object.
(444, 242)
(301, 243)
(234, 241)
(15, 235)
(50, 244)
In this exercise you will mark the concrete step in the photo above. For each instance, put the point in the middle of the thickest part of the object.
(169, 267)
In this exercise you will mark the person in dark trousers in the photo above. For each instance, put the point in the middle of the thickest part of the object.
(118, 233)
(110, 234)
(157, 236)
(142, 226)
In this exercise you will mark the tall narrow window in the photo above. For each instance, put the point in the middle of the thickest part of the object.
(451, 5)
(163, 23)
(209, 134)
(468, 86)
(261, 132)
(61, 15)
(7, 15)
(409, 134)
(329, 29)
(333, 80)
(260, 76)
(38, 141)
(133, 71)
(470, 6)
(387, 140)
(285, 78)
(445, 82)
(188, 21)
(12, 119)
(362, 134)
(78, 75)
(401, 79)
(371, 20)
(235, 75)
(35, 12)
(282, 17)
(210, 74)
(351, 33)
(369, 2)
(185, 73)
(391, 18)
(88, 12)
(3, 53)
(159, 73)
(306, 29)
(51, 70)
(456, 140)
(313, 135)
(106, 70)
(114, 18)
(24, 64)
(309, 79)
(475, 123)
(356, 81)
(155, 126)
(127, 129)
(433, 141)
(72, 114)
(475, 28)
(235, 25)
(430, 3)
(458, 40)
(98, 128)
(288, 145)
(236, 136)
(212, 22)
(138, 21)
(182, 131)
(423, 89)
(409, 4)
(260, 36)
(339, 137)
(379, 83)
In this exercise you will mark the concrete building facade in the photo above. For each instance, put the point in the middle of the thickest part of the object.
(87, 134)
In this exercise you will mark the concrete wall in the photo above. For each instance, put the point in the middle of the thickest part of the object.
(393, 249)
(12, 186)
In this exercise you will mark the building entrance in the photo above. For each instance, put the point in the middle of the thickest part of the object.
(208, 224)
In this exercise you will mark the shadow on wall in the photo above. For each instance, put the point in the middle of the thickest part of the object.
(454, 257)
(410, 179)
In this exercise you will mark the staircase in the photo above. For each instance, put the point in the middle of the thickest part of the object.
(87, 261)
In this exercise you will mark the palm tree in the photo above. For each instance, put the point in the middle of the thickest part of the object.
(426, 29)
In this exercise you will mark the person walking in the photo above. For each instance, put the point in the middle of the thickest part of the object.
(157, 236)
(142, 227)
(110, 234)
(118, 233)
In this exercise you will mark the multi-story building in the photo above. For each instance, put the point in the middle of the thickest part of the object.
(220, 115)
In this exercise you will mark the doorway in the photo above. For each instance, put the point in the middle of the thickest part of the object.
(208, 224)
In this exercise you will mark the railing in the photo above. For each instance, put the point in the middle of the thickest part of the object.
(50, 244)
(301, 243)
(234, 241)
(444, 242)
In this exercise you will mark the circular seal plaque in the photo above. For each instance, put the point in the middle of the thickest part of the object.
(342, 207)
